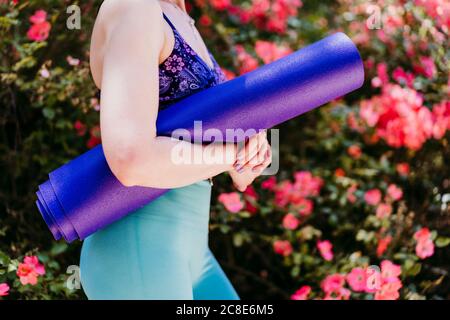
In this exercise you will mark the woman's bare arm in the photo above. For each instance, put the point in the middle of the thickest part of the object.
(129, 104)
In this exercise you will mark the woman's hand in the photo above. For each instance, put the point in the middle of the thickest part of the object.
(251, 161)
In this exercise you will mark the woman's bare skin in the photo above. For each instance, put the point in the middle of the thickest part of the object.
(129, 41)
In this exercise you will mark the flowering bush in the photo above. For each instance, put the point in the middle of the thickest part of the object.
(359, 209)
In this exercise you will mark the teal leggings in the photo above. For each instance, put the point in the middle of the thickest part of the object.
(158, 252)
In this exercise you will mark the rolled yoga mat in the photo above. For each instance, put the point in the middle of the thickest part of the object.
(84, 196)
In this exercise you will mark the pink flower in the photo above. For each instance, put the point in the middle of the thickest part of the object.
(269, 51)
(40, 28)
(247, 62)
(95, 138)
(228, 74)
(403, 169)
(290, 221)
(403, 77)
(357, 279)
(399, 117)
(382, 73)
(369, 63)
(439, 10)
(341, 294)
(269, 183)
(4, 289)
(95, 104)
(270, 15)
(92, 142)
(220, 4)
(307, 184)
(441, 118)
(373, 280)
(383, 244)
(384, 210)
(29, 271)
(13, 2)
(354, 151)
(333, 286)
(333, 283)
(250, 197)
(385, 284)
(376, 82)
(390, 271)
(422, 234)
(39, 16)
(339, 172)
(250, 192)
(72, 61)
(394, 192)
(244, 15)
(372, 197)
(302, 293)
(426, 67)
(44, 73)
(305, 206)
(283, 193)
(326, 249)
(205, 20)
(425, 249)
(231, 201)
(80, 128)
(351, 193)
(282, 247)
(369, 113)
(389, 290)
(424, 245)
(39, 32)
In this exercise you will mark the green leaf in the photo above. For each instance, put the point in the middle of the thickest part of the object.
(415, 269)
(26, 62)
(4, 259)
(295, 271)
(245, 214)
(238, 240)
(442, 242)
(364, 236)
(297, 258)
(224, 228)
(48, 113)
(13, 265)
(58, 248)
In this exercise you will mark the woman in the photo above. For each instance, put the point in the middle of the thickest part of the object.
(145, 55)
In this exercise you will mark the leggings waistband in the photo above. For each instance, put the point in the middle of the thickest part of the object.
(186, 205)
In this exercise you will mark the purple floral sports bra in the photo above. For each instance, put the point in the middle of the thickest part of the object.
(184, 72)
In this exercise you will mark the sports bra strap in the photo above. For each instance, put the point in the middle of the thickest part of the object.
(169, 22)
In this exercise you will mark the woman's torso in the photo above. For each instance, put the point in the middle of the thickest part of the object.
(185, 72)
(182, 70)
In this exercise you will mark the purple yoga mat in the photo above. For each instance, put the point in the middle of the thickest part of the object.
(84, 196)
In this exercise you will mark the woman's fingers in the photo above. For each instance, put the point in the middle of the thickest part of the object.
(259, 157)
(267, 161)
(241, 180)
(251, 146)
(250, 150)
(263, 143)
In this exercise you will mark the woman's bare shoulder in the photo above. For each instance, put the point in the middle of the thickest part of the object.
(136, 15)
(112, 11)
